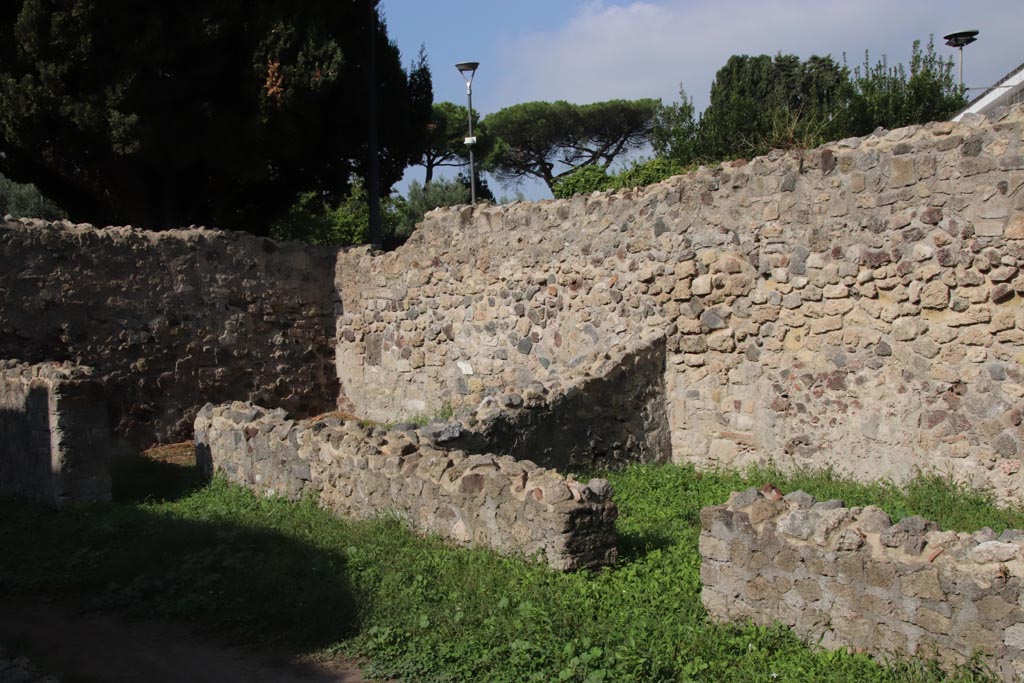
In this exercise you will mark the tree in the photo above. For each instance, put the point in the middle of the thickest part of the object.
(165, 114)
(548, 140)
(446, 141)
(758, 103)
(314, 219)
(674, 133)
(423, 198)
(886, 96)
(25, 201)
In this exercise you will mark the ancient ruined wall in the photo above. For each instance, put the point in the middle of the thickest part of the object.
(354, 469)
(54, 434)
(171, 320)
(857, 305)
(848, 577)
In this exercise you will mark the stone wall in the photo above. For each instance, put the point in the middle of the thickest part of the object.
(849, 577)
(54, 434)
(173, 319)
(360, 470)
(856, 305)
(615, 417)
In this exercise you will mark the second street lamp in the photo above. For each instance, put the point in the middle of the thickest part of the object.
(468, 69)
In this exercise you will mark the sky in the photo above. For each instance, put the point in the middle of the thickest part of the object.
(595, 50)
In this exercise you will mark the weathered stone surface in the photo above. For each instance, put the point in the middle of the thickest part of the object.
(853, 307)
(512, 506)
(849, 569)
(55, 435)
(171, 320)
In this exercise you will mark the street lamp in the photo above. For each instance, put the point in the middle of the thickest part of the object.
(468, 69)
(958, 40)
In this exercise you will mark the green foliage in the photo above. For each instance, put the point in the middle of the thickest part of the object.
(548, 140)
(645, 172)
(582, 180)
(759, 103)
(313, 219)
(674, 134)
(640, 173)
(166, 114)
(886, 96)
(424, 611)
(448, 129)
(25, 201)
(423, 198)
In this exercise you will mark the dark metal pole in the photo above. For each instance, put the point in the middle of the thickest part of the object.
(373, 163)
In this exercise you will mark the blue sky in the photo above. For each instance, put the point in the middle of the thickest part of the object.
(593, 50)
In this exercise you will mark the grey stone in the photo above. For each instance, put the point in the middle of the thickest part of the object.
(994, 551)
(441, 432)
(798, 524)
(744, 499)
(908, 534)
(802, 499)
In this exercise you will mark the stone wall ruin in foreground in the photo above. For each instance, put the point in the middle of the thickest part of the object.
(360, 470)
(848, 577)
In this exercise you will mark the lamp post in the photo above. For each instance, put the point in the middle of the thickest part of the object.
(958, 40)
(468, 69)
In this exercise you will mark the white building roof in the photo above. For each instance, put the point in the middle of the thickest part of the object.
(1008, 91)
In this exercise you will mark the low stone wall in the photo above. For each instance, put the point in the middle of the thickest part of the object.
(849, 577)
(55, 439)
(512, 506)
(170, 320)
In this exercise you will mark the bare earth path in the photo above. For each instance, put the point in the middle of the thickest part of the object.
(100, 648)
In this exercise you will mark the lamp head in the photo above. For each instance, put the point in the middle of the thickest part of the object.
(467, 69)
(961, 38)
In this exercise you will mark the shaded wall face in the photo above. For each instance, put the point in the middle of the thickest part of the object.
(56, 445)
(856, 306)
(171, 320)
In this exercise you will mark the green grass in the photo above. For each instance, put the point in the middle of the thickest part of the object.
(263, 570)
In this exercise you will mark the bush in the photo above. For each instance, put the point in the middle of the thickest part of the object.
(25, 201)
(649, 171)
(313, 219)
(423, 198)
(583, 180)
(640, 173)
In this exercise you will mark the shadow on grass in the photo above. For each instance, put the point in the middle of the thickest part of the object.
(253, 585)
(161, 473)
(635, 546)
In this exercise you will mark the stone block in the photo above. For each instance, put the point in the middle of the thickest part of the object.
(903, 172)
(922, 584)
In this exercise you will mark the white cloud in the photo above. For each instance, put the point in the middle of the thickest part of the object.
(646, 49)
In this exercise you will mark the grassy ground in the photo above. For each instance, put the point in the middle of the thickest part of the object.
(262, 570)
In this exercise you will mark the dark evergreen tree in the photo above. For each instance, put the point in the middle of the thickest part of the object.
(166, 114)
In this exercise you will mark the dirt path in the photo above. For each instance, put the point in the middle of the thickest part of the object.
(100, 648)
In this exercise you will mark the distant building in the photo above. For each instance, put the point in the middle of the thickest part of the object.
(1007, 92)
